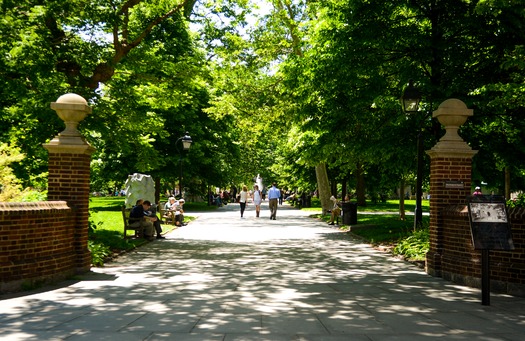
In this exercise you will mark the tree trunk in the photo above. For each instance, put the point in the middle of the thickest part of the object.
(323, 186)
(333, 188)
(360, 186)
(402, 199)
(344, 189)
(157, 189)
(507, 183)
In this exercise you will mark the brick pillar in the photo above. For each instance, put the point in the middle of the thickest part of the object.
(450, 175)
(69, 172)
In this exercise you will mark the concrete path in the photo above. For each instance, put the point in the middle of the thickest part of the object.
(226, 278)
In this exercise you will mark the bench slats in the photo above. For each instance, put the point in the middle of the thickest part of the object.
(138, 231)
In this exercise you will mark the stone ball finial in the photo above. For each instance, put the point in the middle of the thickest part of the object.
(71, 98)
(452, 114)
(72, 109)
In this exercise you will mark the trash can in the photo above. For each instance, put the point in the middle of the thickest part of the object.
(349, 213)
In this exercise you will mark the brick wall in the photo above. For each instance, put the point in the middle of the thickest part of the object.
(48, 241)
(37, 244)
(461, 263)
(443, 170)
(68, 180)
(452, 254)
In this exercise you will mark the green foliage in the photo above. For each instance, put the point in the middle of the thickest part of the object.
(359, 56)
(519, 201)
(29, 195)
(393, 206)
(105, 229)
(106, 239)
(308, 84)
(414, 247)
(147, 86)
(99, 252)
(11, 187)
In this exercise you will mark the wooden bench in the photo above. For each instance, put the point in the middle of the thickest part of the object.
(169, 217)
(138, 231)
(164, 214)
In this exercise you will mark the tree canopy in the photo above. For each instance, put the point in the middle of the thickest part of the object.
(292, 90)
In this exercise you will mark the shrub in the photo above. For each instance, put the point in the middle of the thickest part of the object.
(414, 247)
(32, 195)
(10, 186)
(519, 201)
(99, 252)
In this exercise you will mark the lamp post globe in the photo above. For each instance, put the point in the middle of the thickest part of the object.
(411, 98)
(186, 141)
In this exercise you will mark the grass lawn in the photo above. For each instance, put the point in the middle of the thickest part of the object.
(384, 228)
(106, 212)
(388, 206)
(393, 206)
(379, 223)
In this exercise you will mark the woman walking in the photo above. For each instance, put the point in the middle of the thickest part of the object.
(257, 199)
(243, 198)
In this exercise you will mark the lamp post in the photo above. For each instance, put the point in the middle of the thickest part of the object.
(186, 144)
(410, 101)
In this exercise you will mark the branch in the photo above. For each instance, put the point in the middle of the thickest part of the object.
(154, 23)
(105, 71)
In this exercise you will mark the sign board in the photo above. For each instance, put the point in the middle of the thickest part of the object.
(455, 184)
(489, 223)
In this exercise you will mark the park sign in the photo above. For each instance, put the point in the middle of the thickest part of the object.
(490, 229)
(489, 223)
(451, 184)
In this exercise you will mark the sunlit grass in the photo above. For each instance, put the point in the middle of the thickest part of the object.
(108, 227)
(106, 213)
(385, 228)
(388, 206)
(380, 223)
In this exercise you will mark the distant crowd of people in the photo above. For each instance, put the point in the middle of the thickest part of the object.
(224, 197)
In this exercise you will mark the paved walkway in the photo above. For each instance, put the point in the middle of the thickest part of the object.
(226, 278)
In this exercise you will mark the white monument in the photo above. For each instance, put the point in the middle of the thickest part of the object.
(139, 186)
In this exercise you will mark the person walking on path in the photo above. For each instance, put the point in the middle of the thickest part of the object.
(273, 196)
(257, 199)
(243, 199)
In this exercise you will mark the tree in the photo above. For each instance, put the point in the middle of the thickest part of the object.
(118, 56)
(359, 56)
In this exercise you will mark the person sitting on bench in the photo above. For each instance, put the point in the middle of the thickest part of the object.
(139, 219)
(336, 211)
(152, 214)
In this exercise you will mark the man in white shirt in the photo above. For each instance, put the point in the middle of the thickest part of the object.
(273, 196)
